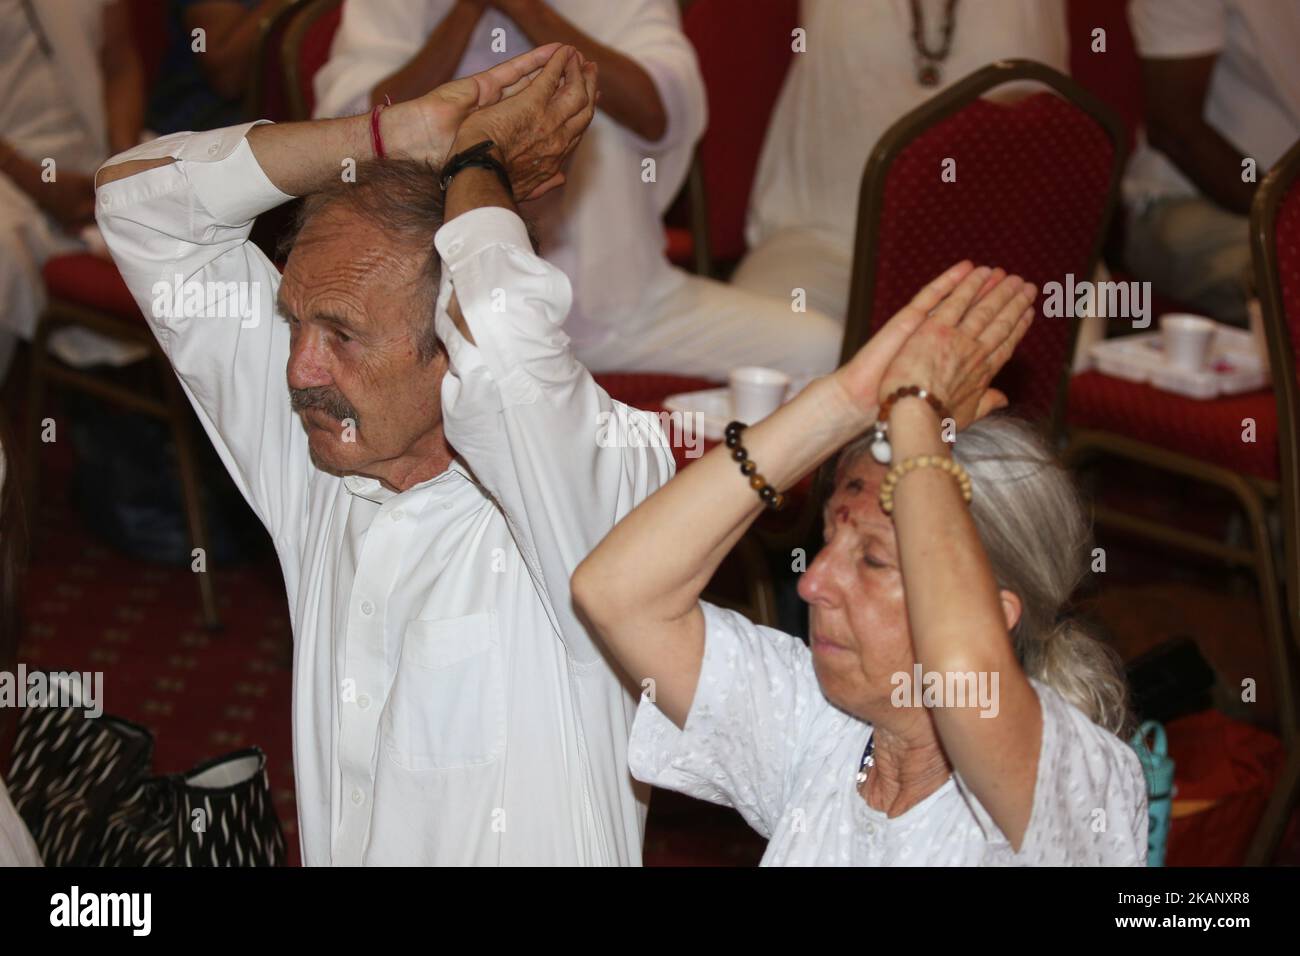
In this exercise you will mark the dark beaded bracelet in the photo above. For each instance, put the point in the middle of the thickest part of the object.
(770, 497)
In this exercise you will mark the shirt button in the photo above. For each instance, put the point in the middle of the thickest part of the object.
(871, 829)
(358, 797)
(363, 701)
(367, 608)
(214, 149)
(455, 246)
(105, 200)
(399, 514)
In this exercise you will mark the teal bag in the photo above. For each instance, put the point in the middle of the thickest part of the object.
(1158, 767)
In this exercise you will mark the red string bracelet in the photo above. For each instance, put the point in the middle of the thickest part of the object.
(377, 141)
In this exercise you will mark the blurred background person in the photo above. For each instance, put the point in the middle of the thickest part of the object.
(865, 67)
(633, 310)
(1221, 81)
(16, 845)
(71, 94)
(204, 88)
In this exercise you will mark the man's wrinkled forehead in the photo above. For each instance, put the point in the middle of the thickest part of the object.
(348, 270)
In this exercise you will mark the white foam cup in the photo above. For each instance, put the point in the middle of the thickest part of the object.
(1187, 339)
(756, 392)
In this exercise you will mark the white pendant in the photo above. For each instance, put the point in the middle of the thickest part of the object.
(881, 451)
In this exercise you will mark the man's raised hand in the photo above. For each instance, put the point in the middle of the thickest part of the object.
(539, 124)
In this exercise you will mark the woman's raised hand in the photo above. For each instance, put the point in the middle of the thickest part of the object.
(967, 335)
(951, 340)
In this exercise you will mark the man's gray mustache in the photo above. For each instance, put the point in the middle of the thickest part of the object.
(327, 399)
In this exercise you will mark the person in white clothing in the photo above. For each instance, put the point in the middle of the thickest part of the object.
(432, 476)
(947, 711)
(866, 65)
(633, 310)
(1221, 83)
(71, 93)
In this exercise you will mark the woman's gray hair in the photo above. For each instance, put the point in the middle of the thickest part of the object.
(1039, 543)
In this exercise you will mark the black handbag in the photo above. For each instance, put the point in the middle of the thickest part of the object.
(83, 787)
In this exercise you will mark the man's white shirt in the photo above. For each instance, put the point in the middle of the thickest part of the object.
(448, 706)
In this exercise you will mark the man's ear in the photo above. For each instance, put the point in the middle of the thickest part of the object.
(1010, 608)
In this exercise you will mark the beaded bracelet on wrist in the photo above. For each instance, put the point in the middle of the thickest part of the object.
(770, 497)
(881, 450)
(942, 462)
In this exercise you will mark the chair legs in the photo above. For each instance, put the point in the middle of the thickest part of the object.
(187, 463)
(174, 409)
(1260, 558)
(1272, 826)
(36, 389)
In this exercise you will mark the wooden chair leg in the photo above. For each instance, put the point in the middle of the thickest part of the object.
(1272, 827)
(1272, 602)
(37, 388)
(187, 461)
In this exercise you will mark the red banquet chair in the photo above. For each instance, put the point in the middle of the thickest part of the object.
(1036, 184)
(268, 89)
(1275, 249)
(744, 51)
(1036, 180)
(87, 291)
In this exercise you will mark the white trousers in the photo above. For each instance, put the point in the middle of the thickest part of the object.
(699, 327)
(800, 259)
(27, 238)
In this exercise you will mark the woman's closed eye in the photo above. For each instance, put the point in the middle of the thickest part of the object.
(873, 560)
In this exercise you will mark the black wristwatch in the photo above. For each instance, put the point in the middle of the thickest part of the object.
(477, 155)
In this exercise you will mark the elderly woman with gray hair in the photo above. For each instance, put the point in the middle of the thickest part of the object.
(945, 712)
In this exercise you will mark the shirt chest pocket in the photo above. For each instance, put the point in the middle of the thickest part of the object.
(447, 705)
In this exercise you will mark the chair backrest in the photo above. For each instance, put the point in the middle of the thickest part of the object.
(1114, 75)
(1028, 185)
(1275, 249)
(744, 49)
(149, 21)
(268, 92)
(306, 48)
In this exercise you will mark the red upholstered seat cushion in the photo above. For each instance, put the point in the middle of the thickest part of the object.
(87, 280)
(1209, 430)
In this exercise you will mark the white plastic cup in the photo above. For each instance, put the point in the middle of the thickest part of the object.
(756, 392)
(1187, 339)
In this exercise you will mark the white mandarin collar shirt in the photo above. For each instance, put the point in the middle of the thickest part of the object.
(448, 707)
(605, 227)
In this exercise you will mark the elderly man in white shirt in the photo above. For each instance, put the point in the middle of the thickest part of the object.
(442, 476)
(864, 69)
(633, 311)
(1221, 81)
